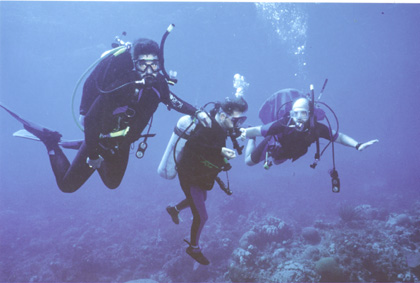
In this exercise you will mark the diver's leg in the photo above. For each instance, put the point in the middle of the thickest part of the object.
(113, 167)
(174, 210)
(182, 205)
(70, 177)
(250, 147)
(199, 197)
(255, 155)
(196, 197)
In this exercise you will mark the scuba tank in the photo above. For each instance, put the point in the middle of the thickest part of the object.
(182, 130)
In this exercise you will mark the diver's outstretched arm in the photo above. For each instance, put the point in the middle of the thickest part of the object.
(250, 147)
(362, 146)
(250, 133)
(348, 141)
(255, 154)
(184, 107)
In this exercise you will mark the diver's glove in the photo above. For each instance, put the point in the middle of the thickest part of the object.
(95, 163)
(362, 146)
(203, 118)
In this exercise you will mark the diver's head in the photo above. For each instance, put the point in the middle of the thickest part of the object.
(230, 114)
(300, 113)
(146, 57)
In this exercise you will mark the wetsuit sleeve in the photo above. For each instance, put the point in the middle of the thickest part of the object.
(171, 100)
(180, 105)
(324, 132)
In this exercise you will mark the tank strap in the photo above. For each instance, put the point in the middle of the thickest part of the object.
(178, 132)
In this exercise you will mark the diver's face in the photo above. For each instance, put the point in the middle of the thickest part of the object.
(147, 65)
(233, 121)
(299, 115)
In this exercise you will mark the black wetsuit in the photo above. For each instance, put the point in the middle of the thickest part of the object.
(287, 143)
(127, 108)
(201, 161)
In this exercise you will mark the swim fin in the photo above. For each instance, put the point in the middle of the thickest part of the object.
(37, 132)
(26, 135)
(23, 121)
(69, 144)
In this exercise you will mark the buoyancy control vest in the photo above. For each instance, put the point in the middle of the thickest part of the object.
(111, 68)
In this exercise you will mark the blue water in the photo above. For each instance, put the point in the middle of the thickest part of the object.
(369, 53)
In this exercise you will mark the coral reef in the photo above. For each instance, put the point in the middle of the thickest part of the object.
(347, 213)
(329, 270)
(379, 248)
(253, 245)
(311, 235)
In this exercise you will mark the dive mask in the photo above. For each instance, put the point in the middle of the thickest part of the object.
(238, 121)
(142, 65)
(299, 115)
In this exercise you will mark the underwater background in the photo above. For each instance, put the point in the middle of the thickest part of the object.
(280, 225)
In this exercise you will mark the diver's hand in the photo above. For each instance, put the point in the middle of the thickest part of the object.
(366, 144)
(243, 134)
(250, 133)
(204, 119)
(95, 163)
(228, 153)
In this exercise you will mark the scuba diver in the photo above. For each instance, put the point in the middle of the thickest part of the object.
(119, 99)
(203, 157)
(289, 136)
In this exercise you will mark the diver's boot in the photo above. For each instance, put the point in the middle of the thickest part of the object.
(173, 212)
(195, 253)
(48, 137)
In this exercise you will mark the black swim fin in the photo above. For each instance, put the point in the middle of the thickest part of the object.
(37, 132)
